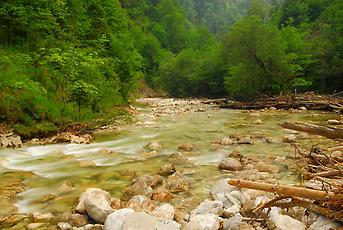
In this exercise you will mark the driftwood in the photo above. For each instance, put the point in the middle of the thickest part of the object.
(309, 176)
(310, 101)
(287, 190)
(330, 132)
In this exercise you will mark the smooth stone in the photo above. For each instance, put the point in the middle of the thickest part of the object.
(140, 187)
(162, 196)
(208, 207)
(230, 164)
(334, 122)
(283, 222)
(165, 211)
(74, 219)
(187, 147)
(246, 141)
(115, 220)
(34, 226)
(41, 217)
(64, 226)
(204, 222)
(96, 203)
(144, 221)
(154, 146)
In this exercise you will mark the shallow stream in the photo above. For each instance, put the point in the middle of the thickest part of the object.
(55, 175)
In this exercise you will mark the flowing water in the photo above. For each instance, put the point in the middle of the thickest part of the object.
(55, 175)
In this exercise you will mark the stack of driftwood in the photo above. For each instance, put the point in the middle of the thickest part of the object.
(323, 169)
(309, 101)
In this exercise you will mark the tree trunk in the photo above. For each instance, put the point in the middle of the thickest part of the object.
(329, 132)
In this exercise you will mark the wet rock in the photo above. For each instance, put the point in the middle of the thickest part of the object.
(204, 222)
(208, 207)
(178, 157)
(246, 141)
(165, 211)
(41, 217)
(116, 219)
(65, 187)
(290, 138)
(226, 141)
(233, 223)
(141, 204)
(140, 187)
(324, 223)
(35, 226)
(181, 217)
(12, 220)
(230, 164)
(264, 167)
(187, 147)
(144, 221)
(257, 122)
(87, 163)
(167, 170)
(10, 140)
(283, 222)
(91, 227)
(68, 137)
(154, 146)
(151, 181)
(162, 196)
(303, 108)
(334, 122)
(177, 183)
(105, 151)
(73, 219)
(235, 154)
(64, 226)
(97, 204)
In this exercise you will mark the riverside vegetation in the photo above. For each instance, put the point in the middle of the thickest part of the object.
(73, 60)
(70, 70)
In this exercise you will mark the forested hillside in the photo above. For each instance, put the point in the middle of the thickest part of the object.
(71, 60)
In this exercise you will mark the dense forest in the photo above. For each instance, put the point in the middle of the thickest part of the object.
(71, 60)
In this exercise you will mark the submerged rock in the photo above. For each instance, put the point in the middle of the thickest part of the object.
(226, 141)
(230, 164)
(187, 147)
(154, 146)
(264, 167)
(246, 141)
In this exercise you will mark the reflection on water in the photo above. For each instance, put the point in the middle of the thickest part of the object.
(116, 157)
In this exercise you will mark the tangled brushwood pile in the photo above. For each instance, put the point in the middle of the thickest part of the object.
(309, 101)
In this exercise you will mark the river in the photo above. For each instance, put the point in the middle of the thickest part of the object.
(54, 176)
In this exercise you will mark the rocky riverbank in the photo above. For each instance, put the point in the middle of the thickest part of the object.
(153, 201)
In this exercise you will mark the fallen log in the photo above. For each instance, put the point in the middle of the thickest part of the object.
(329, 132)
(309, 176)
(283, 190)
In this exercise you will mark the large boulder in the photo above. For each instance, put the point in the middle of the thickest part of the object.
(116, 219)
(165, 211)
(96, 203)
(141, 203)
(230, 164)
(177, 183)
(204, 222)
(208, 207)
(144, 221)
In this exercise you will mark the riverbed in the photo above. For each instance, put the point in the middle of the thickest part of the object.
(51, 178)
